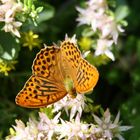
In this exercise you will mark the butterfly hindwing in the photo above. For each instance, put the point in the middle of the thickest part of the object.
(70, 57)
(71, 52)
(86, 77)
(40, 92)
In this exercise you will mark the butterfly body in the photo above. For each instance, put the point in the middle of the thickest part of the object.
(56, 72)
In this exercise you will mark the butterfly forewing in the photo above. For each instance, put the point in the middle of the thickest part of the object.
(45, 86)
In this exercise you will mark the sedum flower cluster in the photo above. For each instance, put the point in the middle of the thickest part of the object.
(73, 128)
(8, 10)
(102, 20)
(67, 103)
(13, 13)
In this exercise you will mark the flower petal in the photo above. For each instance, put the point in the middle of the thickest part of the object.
(117, 118)
(97, 119)
(110, 55)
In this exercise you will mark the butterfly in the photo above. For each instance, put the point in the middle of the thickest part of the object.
(56, 72)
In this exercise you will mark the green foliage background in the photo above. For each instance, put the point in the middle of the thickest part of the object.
(119, 84)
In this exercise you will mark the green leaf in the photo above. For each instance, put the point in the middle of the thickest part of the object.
(138, 49)
(88, 32)
(29, 3)
(1, 49)
(131, 116)
(48, 111)
(9, 48)
(39, 9)
(46, 14)
(121, 12)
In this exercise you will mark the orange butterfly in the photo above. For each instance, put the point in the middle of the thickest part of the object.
(56, 72)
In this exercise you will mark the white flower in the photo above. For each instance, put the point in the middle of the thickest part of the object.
(111, 29)
(6, 1)
(89, 17)
(104, 47)
(48, 126)
(98, 4)
(44, 129)
(93, 13)
(12, 27)
(23, 132)
(11, 5)
(74, 129)
(76, 105)
(108, 128)
(8, 11)
(97, 16)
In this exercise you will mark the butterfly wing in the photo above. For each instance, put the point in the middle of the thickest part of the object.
(45, 86)
(70, 57)
(40, 92)
(84, 75)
